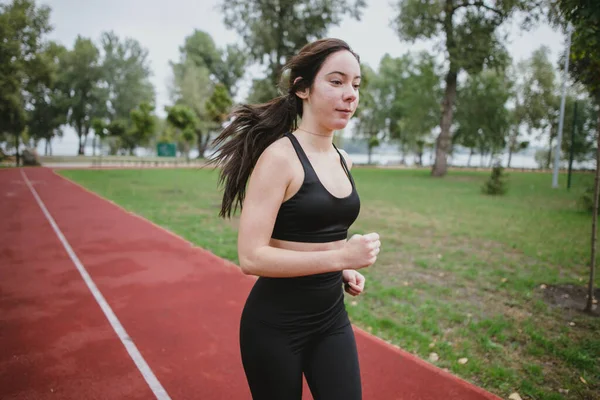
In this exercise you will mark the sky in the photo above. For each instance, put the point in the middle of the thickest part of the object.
(162, 25)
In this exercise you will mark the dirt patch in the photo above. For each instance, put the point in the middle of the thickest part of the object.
(569, 297)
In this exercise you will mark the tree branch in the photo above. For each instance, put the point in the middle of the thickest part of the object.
(478, 3)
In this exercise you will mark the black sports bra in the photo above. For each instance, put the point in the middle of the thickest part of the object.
(313, 214)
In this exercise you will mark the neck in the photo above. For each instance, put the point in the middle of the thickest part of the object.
(319, 139)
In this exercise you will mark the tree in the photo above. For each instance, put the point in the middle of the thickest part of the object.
(471, 40)
(274, 31)
(82, 81)
(482, 117)
(48, 105)
(202, 79)
(126, 74)
(226, 66)
(184, 120)
(420, 102)
(584, 16)
(143, 126)
(370, 115)
(581, 124)
(22, 27)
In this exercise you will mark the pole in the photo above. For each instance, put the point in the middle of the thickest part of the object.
(572, 144)
(562, 110)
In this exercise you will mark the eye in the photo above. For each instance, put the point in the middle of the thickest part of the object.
(336, 82)
(357, 86)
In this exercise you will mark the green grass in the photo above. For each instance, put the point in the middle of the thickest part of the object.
(459, 273)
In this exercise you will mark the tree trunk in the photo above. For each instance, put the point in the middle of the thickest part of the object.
(80, 145)
(509, 156)
(202, 143)
(590, 298)
(369, 151)
(471, 151)
(442, 147)
(17, 137)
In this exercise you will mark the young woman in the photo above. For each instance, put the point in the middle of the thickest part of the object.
(298, 200)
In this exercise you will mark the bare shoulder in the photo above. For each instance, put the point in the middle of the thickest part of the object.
(346, 158)
(276, 157)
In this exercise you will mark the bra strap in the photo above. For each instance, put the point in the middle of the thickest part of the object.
(344, 165)
(300, 152)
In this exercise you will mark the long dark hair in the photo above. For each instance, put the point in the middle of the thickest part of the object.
(254, 127)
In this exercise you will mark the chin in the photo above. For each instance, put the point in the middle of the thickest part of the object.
(337, 125)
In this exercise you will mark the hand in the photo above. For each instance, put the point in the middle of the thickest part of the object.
(354, 282)
(361, 251)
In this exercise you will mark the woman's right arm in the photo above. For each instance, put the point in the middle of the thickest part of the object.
(265, 193)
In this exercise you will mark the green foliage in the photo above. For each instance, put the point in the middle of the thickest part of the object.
(81, 80)
(224, 66)
(401, 100)
(497, 184)
(184, 120)
(585, 124)
(126, 73)
(274, 31)
(584, 15)
(218, 105)
(469, 31)
(143, 126)
(482, 117)
(262, 90)
(204, 82)
(48, 104)
(22, 67)
(586, 201)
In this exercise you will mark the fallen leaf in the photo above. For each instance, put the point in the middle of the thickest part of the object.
(353, 303)
(582, 380)
(594, 301)
(433, 357)
(463, 360)
(431, 345)
(542, 286)
(563, 391)
(572, 323)
(405, 283)
(370, 328)
(515, 396)
(504, 280)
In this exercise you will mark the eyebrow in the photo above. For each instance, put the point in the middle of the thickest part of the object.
(343, 74)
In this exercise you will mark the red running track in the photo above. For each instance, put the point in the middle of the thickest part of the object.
(178, 306)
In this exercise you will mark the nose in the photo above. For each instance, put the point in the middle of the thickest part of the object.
(350, 94)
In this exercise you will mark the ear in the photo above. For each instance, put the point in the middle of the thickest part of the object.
(303, 94)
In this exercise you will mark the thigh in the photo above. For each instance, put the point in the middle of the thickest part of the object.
(273, 371)
(331, 367)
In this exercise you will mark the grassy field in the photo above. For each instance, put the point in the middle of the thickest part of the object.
(497, 282)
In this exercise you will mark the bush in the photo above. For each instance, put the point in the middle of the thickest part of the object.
(586, 200)
(497, 183)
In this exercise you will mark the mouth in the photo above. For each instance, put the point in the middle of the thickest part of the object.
(344, 110)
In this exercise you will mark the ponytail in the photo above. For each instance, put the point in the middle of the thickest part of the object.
(252, 129)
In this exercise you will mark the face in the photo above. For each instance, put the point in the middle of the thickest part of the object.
(333, 97)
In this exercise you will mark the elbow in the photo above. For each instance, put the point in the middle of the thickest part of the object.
(247, 265)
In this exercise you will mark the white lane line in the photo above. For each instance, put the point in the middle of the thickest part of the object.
(136, 356)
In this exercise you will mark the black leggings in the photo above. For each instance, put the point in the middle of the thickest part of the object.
(276, 352)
